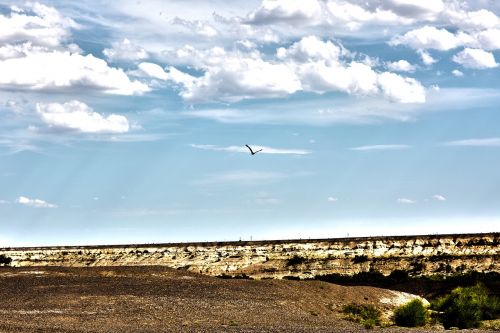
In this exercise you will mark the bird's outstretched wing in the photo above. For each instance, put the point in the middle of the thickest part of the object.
(250, 149)
(253, 152)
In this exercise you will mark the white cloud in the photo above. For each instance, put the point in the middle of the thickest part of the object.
(64, 70)
(332, 199)
(310, 65)
(439, 197)
(401, 66)
(9, 51)
(310, 48)
(197, 26)
(246, 44)
(427, 59)
(353, 15)
(236, 78)
(456, 72)
(46, 27)
(37, 203)
(405, 201)
(79, 116)
(125, 50)
(429, 37)
(243, 149)
(153, 70)
(381, 147)
(485, 142)
(471, 20)
(475, 58)
(488, 39)
(342, 14)
(401, 89)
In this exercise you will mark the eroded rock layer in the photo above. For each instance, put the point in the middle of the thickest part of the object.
(417, 255)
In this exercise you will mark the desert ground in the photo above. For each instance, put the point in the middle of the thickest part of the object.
(160, 299)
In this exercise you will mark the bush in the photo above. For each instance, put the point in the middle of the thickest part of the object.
(368, 315)
(466, 307)
(411, 314)
(4, 260)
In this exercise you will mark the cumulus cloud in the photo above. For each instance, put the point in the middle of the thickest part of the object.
(9, 51)
(488, 39)
(401, 66)
(310, 65)
(80, 117)
(153, 70)
(381, 147)
(401, 89)
(125, 50)
(35, 23)
(37, 203)
(310, 48)
(35, 55)
(64, 70)
(471, 20)
(405, 201)
(426, 58)
(483, 142)
(353, 15)
(456, 72)
(475, 58)
(430, 37)
(350, 14)
(439, 197)
(235, 78)
(243, 149)
(332, 199)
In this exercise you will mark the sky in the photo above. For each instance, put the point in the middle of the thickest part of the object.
(126, 121)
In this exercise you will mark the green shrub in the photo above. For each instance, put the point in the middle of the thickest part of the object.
(411, 314)
(4, 260)
(368, 315)
(466, 307)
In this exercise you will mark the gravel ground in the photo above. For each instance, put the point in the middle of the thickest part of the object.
(159, 299)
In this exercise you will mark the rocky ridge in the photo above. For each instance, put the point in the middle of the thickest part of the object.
(417, 255)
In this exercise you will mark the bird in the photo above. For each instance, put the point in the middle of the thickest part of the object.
(251, 151)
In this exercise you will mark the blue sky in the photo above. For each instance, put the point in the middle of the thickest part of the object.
(126, 122)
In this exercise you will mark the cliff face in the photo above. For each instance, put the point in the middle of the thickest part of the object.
(418, 255)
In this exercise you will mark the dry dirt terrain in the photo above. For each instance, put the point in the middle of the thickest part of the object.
(160, 299)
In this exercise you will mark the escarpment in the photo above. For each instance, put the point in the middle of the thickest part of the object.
(417, 255)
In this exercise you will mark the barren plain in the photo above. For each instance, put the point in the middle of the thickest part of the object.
(160, 299)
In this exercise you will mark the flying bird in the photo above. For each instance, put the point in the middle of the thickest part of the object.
(253, 152)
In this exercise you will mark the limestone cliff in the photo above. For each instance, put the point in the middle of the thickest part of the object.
(418, 255)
